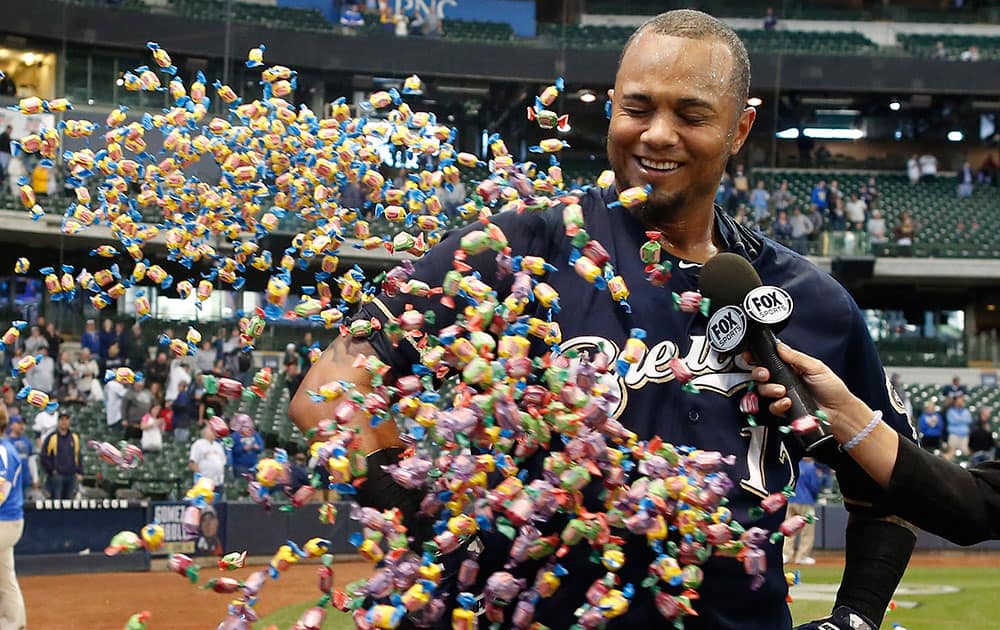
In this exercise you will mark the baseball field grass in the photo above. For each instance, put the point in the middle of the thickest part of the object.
(929, 597)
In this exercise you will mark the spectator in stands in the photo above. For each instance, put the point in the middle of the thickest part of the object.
(805, 146)
(86, 372)
(866, 194)
(91, 339)
(816, 221)
(204, 357)
(67, 379)
(157, 370)
(177, 379)
(838, 220)
(136, 349)
(833, 194)
(959, 426)
(982, 444)
(210, 405)
(801, 229)
(136, 404)
(822, 156)
(402, 25)
(352, 16)
(783, 228)
(953, 390)
(905, 233)
(913, 169)
(152, 426)
(970, 54)
(741, 185)
(818, 196)
(61, 459)
(770, 20)
(43, 375)
(982, 440)
(25, 448)
(304, 348)
(185, 409)
(782, 198)
(989, 168)
(13, 469)
(876, 228)
(247, 446)
(759, 199)
(44, 423)
(940, 52)
(114, 360)
(107, 337)
(16, 169)
(798, 549)
(35, 341)
(207, 457)
(855, 209)
(928, 167)
(966, 181)
(930, 426)
(53, 337)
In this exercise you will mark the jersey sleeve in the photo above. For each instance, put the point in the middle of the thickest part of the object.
(865, 377)
(526, 234)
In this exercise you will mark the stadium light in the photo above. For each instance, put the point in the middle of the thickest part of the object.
(822, 133)
(587, 96)
(754, 101)
(894, 105)
(955, 136)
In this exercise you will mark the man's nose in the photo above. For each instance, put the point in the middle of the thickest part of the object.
(661, 132)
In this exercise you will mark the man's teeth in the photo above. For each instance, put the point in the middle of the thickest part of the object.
(660, 166)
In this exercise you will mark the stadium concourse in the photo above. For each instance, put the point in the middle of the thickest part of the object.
(875, 153)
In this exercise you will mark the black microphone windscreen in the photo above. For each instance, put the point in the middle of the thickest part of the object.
(727, 278)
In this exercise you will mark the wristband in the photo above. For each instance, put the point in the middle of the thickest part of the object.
(865, 432)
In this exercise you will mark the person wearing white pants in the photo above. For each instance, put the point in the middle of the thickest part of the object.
(12, 614)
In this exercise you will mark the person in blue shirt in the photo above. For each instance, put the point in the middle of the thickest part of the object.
(12, 614)
(25, 449)
(678, 113)
(798, 548)
(247, 445)
(819, 196)
(959, 426)
(930, 425)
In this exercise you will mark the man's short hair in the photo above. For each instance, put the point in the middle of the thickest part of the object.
(693, 24)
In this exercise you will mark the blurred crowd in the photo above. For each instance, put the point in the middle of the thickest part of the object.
(798, 222)
(170, 400)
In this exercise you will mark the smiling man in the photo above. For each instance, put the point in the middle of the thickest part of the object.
(678, 114)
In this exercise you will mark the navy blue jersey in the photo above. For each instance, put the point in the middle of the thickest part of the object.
(826, 323)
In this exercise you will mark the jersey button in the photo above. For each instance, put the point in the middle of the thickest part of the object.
(694, 416)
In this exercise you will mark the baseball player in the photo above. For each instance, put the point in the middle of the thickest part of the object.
(678, 113)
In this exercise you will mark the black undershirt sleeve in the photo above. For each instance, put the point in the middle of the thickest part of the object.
(962, 505)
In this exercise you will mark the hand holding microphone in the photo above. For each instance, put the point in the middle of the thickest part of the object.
(743, 312)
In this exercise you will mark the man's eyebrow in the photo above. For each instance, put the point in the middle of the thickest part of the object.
(694, 101)
(682, 103)
(638, 96)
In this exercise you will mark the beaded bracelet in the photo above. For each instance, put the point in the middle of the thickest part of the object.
(865, 432)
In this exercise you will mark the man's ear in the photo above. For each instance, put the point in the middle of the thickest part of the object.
(743, 126)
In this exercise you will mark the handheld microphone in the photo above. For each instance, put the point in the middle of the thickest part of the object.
(743, 312)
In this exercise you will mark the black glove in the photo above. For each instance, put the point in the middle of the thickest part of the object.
(843, 618)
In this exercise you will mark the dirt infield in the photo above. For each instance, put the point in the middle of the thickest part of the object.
(105, 601)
